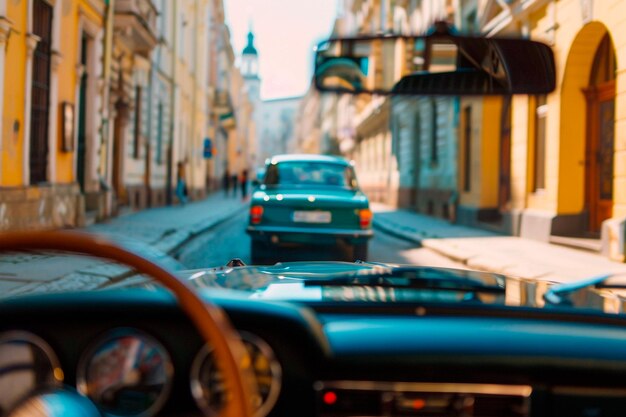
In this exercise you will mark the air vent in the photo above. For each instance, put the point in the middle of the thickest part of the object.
(361, 398)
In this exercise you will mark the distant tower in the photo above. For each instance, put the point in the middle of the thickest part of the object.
(250, 72)
(250, 69)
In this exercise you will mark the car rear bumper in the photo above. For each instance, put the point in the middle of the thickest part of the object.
(309, 236)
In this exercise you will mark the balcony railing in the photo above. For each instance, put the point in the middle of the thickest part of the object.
(222, 102)
(136, 22)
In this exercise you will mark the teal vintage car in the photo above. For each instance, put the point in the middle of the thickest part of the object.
(309, 200)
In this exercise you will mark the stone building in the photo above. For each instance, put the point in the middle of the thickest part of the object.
(405, 149)
(51, 99)
(551, 167)
(135, 37)
(276, 127)
(307, 131)
(99, 102)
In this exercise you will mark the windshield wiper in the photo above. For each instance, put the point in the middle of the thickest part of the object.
(561, 294)
(416, 278)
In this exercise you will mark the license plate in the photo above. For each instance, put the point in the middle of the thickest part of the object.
(311, 217)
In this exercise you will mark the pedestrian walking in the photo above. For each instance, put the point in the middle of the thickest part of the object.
(181, 184)
(233, 181)
(244, 184)
(226, 182)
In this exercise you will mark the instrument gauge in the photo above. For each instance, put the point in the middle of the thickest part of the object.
(207, 383)
(27, 364)
(126, 373)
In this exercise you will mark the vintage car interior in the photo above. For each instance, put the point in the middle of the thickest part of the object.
(318, 339)
(323, 339)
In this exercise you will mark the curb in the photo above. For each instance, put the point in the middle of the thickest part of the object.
(393, 232)
(195, 231)
(428, 243)
(473, 261)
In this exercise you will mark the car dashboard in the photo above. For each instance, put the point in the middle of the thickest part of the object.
(328, 359)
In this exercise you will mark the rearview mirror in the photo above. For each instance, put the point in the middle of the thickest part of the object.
(438, 64)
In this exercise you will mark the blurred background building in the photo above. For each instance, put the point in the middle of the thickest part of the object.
(274, 119)
(101, 100)
(307, 123)
(551, 167)
(276, 127)
(405, 149)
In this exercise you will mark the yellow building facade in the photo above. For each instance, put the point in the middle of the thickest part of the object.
(102, 100)
(552, 167)
(202, 66)
(50, 65)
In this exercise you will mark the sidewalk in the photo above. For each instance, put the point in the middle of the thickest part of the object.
(484, 250)
(156, 233)
(167, 228)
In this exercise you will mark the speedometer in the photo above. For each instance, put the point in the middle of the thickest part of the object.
(27, 364)
(126, 373)
(207, 383)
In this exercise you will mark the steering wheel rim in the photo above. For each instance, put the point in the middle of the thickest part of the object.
(209, 320)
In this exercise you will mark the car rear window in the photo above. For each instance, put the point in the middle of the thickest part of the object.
(311, 173)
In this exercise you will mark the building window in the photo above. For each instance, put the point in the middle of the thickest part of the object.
(434, 155)
(541, 112)
(161, 18)
(159, 149)
(83, 113)
(138, 121)
(467, 149)
(182, 33)
(40, 93)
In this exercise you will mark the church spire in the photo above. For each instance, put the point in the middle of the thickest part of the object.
(250, 58)
(250, 48)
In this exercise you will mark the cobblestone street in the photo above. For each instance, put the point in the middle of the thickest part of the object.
(154, 233)
(210, 232)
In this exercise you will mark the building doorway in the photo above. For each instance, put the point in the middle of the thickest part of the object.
(40, 95)
(119, 134)
(599, 148)
(81, 146)
(504, 182)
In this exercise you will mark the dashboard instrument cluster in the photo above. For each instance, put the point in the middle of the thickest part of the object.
(127, 372)
(135, 354)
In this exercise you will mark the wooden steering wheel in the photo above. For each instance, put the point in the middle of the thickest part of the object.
(209, 320)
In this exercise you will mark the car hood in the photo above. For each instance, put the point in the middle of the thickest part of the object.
(313, 282)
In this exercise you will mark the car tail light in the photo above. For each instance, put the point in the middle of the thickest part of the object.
(256, 214)
(365, 218)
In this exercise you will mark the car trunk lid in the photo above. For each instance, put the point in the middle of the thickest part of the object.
(315, 208)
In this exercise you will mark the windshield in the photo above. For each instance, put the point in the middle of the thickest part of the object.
(310, 174)
(197, 133)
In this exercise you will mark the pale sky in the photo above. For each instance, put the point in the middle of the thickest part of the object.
(285, 33)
